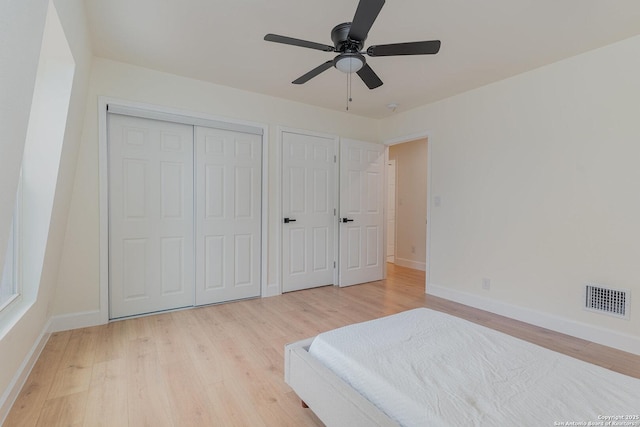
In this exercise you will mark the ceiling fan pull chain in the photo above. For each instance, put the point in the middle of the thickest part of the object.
(349, 85)
(347, 103)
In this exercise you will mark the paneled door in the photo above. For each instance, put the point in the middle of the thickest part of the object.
(308, 211)
(361, 212)
(150, 215)
(228, 215)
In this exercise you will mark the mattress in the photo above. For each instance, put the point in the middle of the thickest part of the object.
(426, 368)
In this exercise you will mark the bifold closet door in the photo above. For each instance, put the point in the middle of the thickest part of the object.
(151, 258)
(228, 215)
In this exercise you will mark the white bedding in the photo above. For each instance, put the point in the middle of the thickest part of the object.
(426, 368)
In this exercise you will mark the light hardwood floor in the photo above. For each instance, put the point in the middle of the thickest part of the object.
(223, 365)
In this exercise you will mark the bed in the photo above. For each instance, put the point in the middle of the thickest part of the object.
(422, 367)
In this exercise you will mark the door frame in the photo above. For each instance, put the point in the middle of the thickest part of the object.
(176, 115)
(395, 202)
(276, 289)
(400, 140)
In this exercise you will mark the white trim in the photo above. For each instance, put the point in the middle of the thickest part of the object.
(9, 300)
(103, 156)
(264, 255)
(278, 202)
(20, 378)
(385, 213)
(103, 170)
(427, 262)
(272, 290)
(188, 119)
(416, 265)
(553, 322)
(16, 255)
(66, 322)
(409, 138)
(336, 206)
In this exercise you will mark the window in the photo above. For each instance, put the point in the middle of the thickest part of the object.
(21, 274)
(9, 289)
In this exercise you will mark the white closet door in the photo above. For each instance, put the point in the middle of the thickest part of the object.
(228, 215)
(361, 206)
(151, 256)
(308, 180)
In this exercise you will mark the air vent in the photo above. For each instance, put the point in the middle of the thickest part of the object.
(614, 302)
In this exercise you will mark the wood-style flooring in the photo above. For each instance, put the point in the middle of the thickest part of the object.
(223, 365)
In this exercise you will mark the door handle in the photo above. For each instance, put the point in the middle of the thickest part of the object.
(288, 220)
(347, 220)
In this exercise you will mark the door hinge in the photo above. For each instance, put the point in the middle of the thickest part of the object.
(335, 158)
(334, 264)
(334, 211)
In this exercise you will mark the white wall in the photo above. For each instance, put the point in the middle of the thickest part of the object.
(24, 336)
(538, 178)
(78, 288)
(411, 202)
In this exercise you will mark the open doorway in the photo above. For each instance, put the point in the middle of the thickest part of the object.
(407, 191)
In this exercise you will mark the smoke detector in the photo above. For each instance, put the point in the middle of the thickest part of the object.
(393, 106)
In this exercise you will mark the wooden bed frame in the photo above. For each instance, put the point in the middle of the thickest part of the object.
(328, 396)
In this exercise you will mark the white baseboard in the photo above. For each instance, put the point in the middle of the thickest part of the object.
(416, 265)
(84, 319)
(585, 331)
(15, 386)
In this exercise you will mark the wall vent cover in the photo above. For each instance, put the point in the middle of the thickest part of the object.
(614, 302)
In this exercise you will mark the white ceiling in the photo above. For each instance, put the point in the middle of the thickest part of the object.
(483, 41)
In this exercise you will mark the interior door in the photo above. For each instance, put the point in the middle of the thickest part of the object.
(308, 209)
(361, 212)
(228, 215)
(150, 215)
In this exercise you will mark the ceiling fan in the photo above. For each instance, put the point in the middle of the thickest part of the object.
(348, 39)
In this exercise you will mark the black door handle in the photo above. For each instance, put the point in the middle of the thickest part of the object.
(288, 220)
(347, 220)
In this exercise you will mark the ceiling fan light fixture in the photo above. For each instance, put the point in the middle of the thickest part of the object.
(349, 62)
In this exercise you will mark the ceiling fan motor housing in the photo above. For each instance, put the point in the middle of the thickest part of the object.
(341, 40)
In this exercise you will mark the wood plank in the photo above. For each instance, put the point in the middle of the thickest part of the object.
(148, 402)
(232, 405)
(75, 373)
(35, 390)
(107, 403)
(64, 411)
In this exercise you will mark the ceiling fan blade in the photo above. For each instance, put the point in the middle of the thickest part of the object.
(366, 14)
(297, 42)
(413, 48)
(311, 74)
(369, 77)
